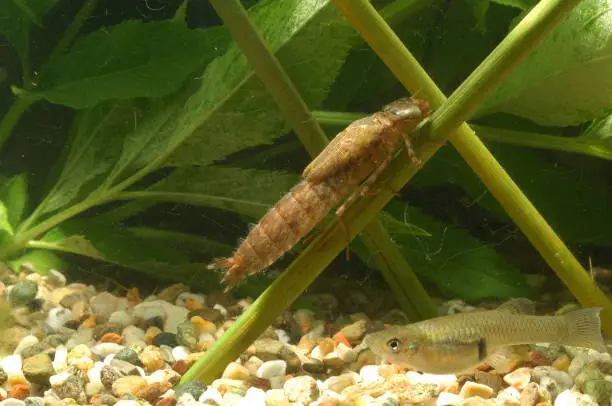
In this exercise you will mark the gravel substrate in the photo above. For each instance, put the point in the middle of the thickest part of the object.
(71, 344)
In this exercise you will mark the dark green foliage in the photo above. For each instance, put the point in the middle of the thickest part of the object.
(172, 121)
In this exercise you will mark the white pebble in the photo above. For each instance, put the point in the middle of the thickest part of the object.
(13, 402)
(12, 367)
(276, 382)
(221, 309)
(180, 353)
(182, 298)
(59, 379)
(270, 369)
(448, 399)
(121, 318)
(125, 402)
(211, 395)
(316, 353)
(229, 399)
(25, 342)
(282, 335)
(369, 374)
(106, 349)
(346, 353)
(132, 335)
(206, 337)
(57, 317)
(55, 278)
(92, 389)
(59, 361)
(254, 397)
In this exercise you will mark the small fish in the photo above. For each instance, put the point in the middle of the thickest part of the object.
(458, 343)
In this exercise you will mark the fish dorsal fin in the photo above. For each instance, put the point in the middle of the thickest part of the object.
(519, 305)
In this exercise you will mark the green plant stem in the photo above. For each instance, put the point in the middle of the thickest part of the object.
(464, 102)
(12, 116)
(281, 88)
(578, 145)
(73, 30)
(23, 101)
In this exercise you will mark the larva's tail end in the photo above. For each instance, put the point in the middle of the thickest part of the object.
(232, 276)
(221, 263)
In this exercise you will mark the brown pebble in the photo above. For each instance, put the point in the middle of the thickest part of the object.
(151, 333)
(152, 392)
(167, 401)
(89, 322)
(538, 358)
(326, 346)
(133, 297)
(19, 391)
(111, 338)
(181, 366)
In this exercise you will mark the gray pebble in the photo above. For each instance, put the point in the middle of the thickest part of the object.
(194, 388)
(23, 292)
(108, 375)
(128, 355)
(187, 335)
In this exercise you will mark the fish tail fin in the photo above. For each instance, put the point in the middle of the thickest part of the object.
(584, 329)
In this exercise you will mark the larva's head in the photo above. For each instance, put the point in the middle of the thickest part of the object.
(407, 108)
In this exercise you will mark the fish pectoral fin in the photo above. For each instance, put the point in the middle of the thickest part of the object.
(502, 359)
(519, 305)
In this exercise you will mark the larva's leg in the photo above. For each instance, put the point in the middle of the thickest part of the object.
(410, 151)
(362, 190)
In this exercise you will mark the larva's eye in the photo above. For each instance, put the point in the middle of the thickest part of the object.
(394, 345)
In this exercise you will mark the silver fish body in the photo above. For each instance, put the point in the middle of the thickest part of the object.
(460, 342)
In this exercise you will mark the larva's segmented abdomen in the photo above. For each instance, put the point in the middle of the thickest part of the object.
(283, 226)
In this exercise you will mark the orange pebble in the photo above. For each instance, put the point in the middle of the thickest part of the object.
(90, 322)
(19, 391)
(340, 338)
(193, 304)
(203, 326)
(111, 338)
(181, 366)
(151, 333)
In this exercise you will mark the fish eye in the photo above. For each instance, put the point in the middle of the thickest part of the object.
(394, 344)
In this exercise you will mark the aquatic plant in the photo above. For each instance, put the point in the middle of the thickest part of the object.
(178, 114)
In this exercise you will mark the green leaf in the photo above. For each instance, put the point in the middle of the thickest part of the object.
(92, 150)
(14, 194)
(567, 79)
(128, 60)
(457, 27)
(460, 265)
(576, 208)
(232, 109)
(6, 231)
(479, 10)
(42, 260)
(150, 251)
(17, 18)
(248, 192)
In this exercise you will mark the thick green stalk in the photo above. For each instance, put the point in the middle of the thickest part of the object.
(281, 88)
(462, 104)
(580, 145)
(394, 267)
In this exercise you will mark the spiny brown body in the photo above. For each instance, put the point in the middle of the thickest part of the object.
(361, 151)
